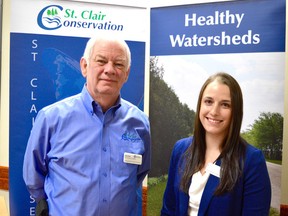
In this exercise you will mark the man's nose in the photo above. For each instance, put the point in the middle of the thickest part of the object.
(109, 68)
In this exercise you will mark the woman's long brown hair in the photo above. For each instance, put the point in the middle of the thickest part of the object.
(233, 146)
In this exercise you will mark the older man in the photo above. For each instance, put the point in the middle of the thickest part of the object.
(87, 154)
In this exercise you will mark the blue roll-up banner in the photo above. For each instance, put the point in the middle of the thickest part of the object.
(243, 38)
(47, 41)
(224, 27)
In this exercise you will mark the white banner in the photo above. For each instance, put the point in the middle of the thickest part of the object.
(78, 19)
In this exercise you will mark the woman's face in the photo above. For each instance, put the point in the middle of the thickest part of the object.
(215, 110)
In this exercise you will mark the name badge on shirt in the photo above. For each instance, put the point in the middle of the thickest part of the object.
(213, 169)
(132, 158)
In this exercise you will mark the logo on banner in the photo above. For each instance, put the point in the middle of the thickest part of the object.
(49, 18)
(53, 17)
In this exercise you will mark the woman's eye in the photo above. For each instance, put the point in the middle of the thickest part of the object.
(208, 102)
(226, 105)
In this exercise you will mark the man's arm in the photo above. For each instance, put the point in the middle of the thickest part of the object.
(35, 158)
(146, 157)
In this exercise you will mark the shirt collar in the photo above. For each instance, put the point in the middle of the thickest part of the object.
(92, 106)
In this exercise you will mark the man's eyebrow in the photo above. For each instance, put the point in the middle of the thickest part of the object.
(99, 55)
(120, 58)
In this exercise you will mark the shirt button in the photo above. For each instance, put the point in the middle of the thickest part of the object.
(104, 149)
(105, 174)
(104, 200)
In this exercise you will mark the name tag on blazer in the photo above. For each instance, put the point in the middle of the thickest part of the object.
(213, 169)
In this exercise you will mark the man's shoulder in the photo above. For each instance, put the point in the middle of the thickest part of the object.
(127, 105)
(64, 105)
(130, 110)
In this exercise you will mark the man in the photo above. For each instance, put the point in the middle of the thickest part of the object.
(88, 153)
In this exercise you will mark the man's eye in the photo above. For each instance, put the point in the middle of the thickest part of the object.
(99, 61)
(118, 65)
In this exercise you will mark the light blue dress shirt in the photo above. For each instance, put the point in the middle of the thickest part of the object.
(74, 157)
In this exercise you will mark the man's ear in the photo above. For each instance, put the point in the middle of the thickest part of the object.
(83, 67)
(127, 74)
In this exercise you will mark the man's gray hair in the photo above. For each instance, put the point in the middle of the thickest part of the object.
(98, 38)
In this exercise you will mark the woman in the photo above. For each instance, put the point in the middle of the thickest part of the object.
(216, 172)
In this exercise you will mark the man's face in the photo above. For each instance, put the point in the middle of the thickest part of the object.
(107, 70)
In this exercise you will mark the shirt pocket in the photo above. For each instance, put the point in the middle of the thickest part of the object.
(121, 168)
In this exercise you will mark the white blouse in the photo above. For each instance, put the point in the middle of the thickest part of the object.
(196, 188)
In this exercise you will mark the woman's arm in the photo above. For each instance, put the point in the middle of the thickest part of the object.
(257, 186)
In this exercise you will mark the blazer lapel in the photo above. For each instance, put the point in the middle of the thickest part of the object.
(211, 185)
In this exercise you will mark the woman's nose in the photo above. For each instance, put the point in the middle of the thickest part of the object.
(215, 109)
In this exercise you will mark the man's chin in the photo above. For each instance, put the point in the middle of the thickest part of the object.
(108, 92)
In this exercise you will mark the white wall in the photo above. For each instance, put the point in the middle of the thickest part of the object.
(4, 108)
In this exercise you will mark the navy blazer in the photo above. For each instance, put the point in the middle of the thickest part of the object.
(250, 196)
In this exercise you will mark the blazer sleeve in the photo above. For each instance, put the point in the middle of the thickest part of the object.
(257, 186)
(171, 204)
